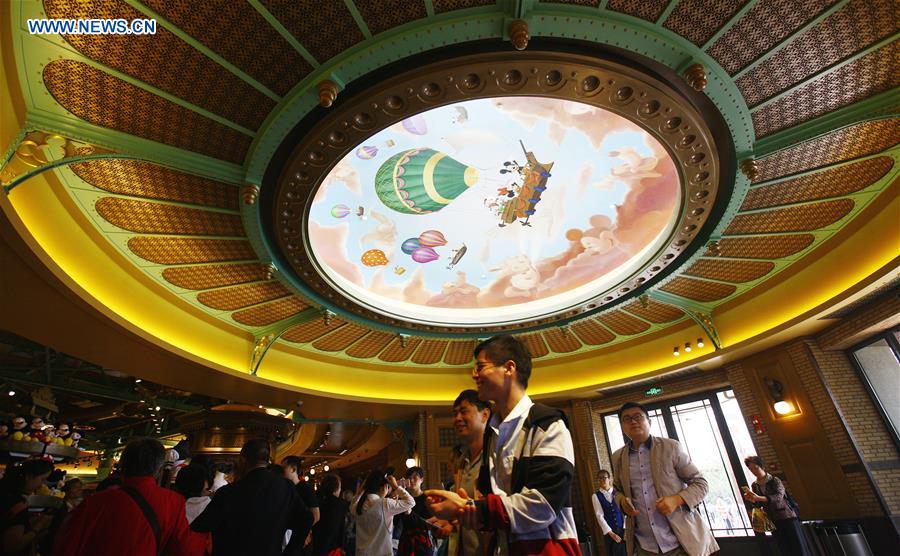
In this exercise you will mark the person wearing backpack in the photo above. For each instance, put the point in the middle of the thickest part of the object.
(525, 478)
(138, 518)
(768, 492)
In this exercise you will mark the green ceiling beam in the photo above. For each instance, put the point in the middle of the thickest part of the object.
(666, 12)
(131, 146)
(826, 70)
(874, 107)
(202, 48)
(358, 18)
(276, 24)
(789, 38)
(735, 17)
(602, 5)
(429, 8)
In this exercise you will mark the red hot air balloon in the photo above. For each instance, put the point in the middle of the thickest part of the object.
(432, 238)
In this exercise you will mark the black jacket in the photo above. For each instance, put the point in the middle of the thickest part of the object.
(251, 515)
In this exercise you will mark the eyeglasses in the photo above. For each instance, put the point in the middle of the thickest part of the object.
(636, 418)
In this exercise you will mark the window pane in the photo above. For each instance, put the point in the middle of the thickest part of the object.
(882, 370)
(700, 437)
(737, 427)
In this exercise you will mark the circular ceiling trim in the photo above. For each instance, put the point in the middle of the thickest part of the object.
(643, 99)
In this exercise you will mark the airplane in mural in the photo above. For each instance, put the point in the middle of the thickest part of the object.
(534, 177)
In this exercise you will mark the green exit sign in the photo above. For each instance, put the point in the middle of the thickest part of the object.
(653, 391)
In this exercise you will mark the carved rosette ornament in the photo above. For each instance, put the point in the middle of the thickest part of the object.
(328, 91)
(695, 76)
(750, 168)
(518, 34)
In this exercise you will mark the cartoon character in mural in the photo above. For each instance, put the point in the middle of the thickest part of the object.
(534, 182)
(422, 181)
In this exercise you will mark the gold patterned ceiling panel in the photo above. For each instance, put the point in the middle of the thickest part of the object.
(324, 27)
(144, 179)
(381, 16)
(803, 218)
(237, 32)
(155, 218)
(215, 276)
(729, 271)
(165, 62)
(371, 345)
(237, 297)
(312, 330)
(844, 144)
(535, 344)
(834, 182)
(592, 333)
(761, 247)
(430, 352)
(649, 10)
(698, 20)
(698, 290)
(399, 350)
(872, 74)
(850, 29)
(460, 352)
(561, 341)
(341, 338)
(622, 323)
(761, 28)
(441, 6)
(181, 250)
(655, 311)
(107, 101)
(270, 313)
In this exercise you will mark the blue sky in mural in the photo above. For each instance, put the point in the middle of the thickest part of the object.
(471, 172)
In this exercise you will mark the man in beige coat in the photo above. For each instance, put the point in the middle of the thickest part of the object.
(659, 488)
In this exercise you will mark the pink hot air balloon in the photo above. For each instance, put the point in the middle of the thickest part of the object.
(432, 238)
(425, 255)
(415, 125)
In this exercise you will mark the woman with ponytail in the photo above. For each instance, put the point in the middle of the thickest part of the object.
(380, 500)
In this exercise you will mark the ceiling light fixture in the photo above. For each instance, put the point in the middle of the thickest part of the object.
(675, 351)
(12, 392)
(687, 347)
(137, 381)
(700, 343)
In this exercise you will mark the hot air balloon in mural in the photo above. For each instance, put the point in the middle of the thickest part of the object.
(425, 255)
(340, 211)
(415, 125)
(410, 245)
(422, 181)
(374, 257)
(366, 152)
(432, 238)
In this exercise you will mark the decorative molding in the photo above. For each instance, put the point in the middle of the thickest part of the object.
(39, 151)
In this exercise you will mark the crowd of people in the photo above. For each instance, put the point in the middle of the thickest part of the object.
(510, 493)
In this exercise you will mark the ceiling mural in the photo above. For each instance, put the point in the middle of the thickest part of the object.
(449, 216)
(313, 194)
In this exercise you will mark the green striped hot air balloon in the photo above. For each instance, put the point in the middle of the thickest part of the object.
(421, 181)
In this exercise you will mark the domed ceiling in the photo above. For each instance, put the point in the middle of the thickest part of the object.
(340, 197)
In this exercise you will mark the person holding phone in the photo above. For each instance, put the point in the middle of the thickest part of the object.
(377, 502)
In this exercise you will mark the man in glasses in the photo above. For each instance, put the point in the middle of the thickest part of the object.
(659, 486)
(528, 463)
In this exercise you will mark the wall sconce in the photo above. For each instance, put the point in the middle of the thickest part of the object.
(776, 390)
